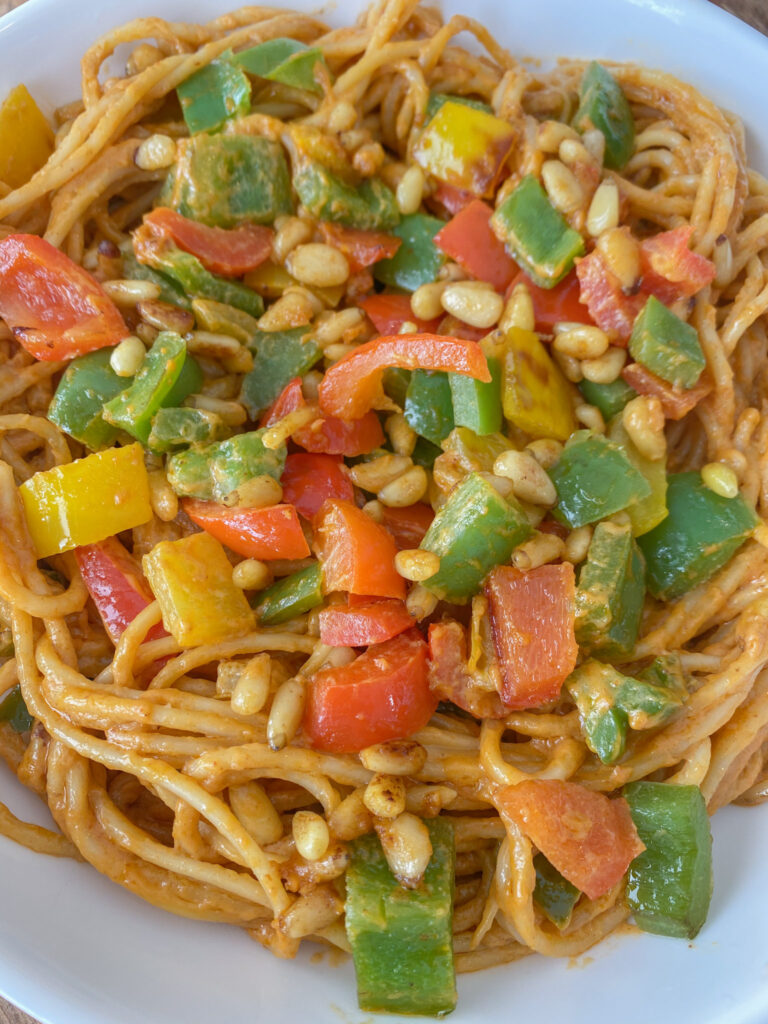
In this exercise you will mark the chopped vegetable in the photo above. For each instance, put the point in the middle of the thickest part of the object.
(477, 405)
(475, 530)
(291, 596)
(264, 533)
(382, 695)
(532, 620)
(388, 313)
(26, 138)
(278, 357)
(54, 308)
(429, 404)
(284, 60)
(670, 270)
(362, 248)
(609, 306)
(359, 625)
(409, 524)
(536, 234)
(85, 501)
(553, 893)
(590, 839)
(675, 402)
(78, 404)
(469, 240)
(603, 105)
(217, 93)
(667, 345)
(465, 452)
(557, 305)
(650, 511)
(417, 260)
(215, 471)
(369, 206)
(401, 939)
(170, 291)
(173, 429)
(221, 318)
(610, 399)
(536, 397)
(358, 554)
(133, 409)
(14, 711)
(452, 679)
(230, 252)
(192, 581)
(701, 533)
(437, 99)
(670, 885)
(309, 478)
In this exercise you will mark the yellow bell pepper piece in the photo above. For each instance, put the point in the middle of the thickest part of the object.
(26, 138)
(192, 581)
(536, 397)
(648, 512)
(465, 147)
(88, 500)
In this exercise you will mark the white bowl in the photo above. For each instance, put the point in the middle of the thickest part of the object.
(75, 949)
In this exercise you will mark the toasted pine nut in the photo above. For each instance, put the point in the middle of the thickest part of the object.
(311, 913)
(256, 812)
(721, 479)
(293, 231)
(577, 544)
(408, 327)
(233, 414)
(333, 353)
(258, 492)
(410, 190)
(420, 602)
(594, 143)
(529, 480)
(621, 254)
(425, 301)
(550, 135)
(722, 257)
(603, 213)
(416, 564)
(130, 292)
(518, 311)
(331, 327)
(573, 151)
(643, 419)
(233, 356)
(368, 159)
(407, 848)
(401, 434)
(545, 450)
(385, 796)
(562, 185)
(142, 57)
(571, 367)
(427, 801)
(251, 574)
(590, 417)
(155, 153)
(127, 357)
(285, 713)
(501, 484)
(374, 510)
(539, 550)
(395, 757)
(581, 341)
(292, 309)
(252, 688)
(165, 317)
(279, 432)
(372, 476)
(451, 272)
(473, 302)
(606, 368)
(318, 265)
(342, 117)
(162, 497)
(406, 489)
(311, 835)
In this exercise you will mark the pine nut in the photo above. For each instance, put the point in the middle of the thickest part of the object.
(310, 834)
(375, 510)
(550, 135)
(594, 143)
(333, 353)
(408, 327)
(233, 356)
(318, 265)
(342, 117)
(425, 301)
(452, 272)
(406, 490)
(590, 417)
(721, 479)
(368, 159)
(311, 913)
(155, 153)
(233, 413)
(385, 796)
(251, 574)
(165, 317)
(251, 690)
(142, 57)
(545, 450)
(372, 476)
(285, 713)
(258, 492)
(518, 311)
(417, 565)
(643, 420)
(529, 479)
(427, 801)
(539, 550)
(722, 257)
(129, 292)
(351, 818)
(310, 385)
(420, 602)
(256, 812)
(127, 357)
(581, 341)
(603, 213)
(162, 497)
(401, 434)
(395, 757)
(292, 309)
(293, 231)
(473, 302)
(573, 152)
(577, 544)
(606, 368)
(571, 367)
(146, 334)
(279, 432)
(621, 254)
(562, 185)
(501, 484)
(410, 190)
(407, 848)
(332, 327)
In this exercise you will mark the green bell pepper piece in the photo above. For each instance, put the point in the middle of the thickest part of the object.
(283, 60)
(178, 428)
(370, 206)
(291, 596)
(278, 357)
(594, 478)
(227, 180)
(217, 93)
(214, 471)
(6, 642)
(655, 694)
(650, 511)
(191, 275)
(189, 382)
(536, 234)
(477, 404)
(402, 943)
(133, 409)
(610, 399)
(428, 405)
(418, 260)
(669, 886)
(425, 453)
(667, 345)
(701, 533)
(14, 711)
(475, 530)
(395, 382)
(603, 105)
(78, 404)
(133, 270)
(221, 318)
(437, 99)
(609, 597)
(554, 894)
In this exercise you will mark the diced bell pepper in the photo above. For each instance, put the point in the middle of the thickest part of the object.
(284, 60)
(26, 138)
(78, 404)
(667, 345)
(134, 408)
(418, 260)
(536, 397)
(650, 511)
(215, 471)
(610, 399)
(429, 405)
(217, 93)
(553, 893)
(278, 357)
(179, 428)
(291, 596)
(603, 105)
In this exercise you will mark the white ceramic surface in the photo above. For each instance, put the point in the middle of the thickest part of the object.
(74, 949)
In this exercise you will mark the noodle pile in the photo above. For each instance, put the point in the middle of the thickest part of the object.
(159, 786)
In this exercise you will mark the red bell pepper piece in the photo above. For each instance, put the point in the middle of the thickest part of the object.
(309, 478)
(358, 554)
(388, 313)
(675, 402)
(554, 305)
(408, 524)
(230, 252)
(382, 695)
(453, 199)
(264, 533)
(670, 270)
(589, 838)
(449, 676)
(352, 386)
(532, 618)
(608, 306)
(358, 625)
(362, 248)
(54, 308)
(468, 239)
